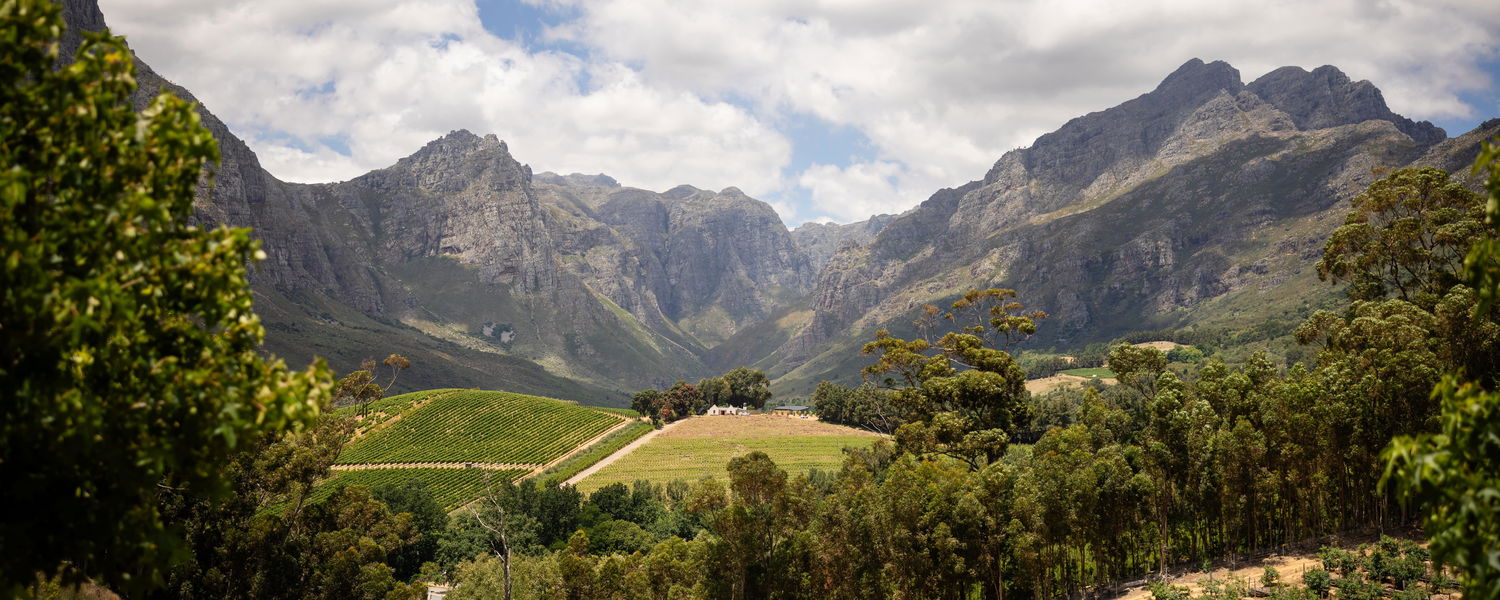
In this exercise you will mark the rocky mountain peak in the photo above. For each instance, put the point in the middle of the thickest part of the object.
(1326, 97)
(1195, 78)
(681, 192)
(577, 179)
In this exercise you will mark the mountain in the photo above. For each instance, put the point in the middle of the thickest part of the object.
(454, 256)
(1203, 203)
(819, 241)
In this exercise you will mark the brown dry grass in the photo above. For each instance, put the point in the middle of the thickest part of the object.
(1047, 384)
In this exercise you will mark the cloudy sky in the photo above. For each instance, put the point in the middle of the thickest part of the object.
(827, 109)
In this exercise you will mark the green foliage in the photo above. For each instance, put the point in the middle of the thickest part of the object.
(960, 395)
(272, 539)
(1165, 591)
(742, 387)
(1319, 581)
(1090, 372)
(682, 400)
(1185, 354)
(866, 407)
(131, 354)
(1270, 577)
(450, 488)
(480, 426)
(1455, 473)
(1407, 236)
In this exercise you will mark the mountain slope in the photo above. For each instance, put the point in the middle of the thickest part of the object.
(1202, 194)
(455, 258)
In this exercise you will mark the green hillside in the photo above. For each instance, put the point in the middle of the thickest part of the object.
(474, 426)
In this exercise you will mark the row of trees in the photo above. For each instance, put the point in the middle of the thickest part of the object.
(742, 387)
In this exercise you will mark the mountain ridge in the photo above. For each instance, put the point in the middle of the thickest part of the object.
(1171, 209)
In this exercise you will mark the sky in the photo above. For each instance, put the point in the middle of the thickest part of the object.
(829, 110)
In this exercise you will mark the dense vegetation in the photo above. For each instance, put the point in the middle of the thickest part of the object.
(741, 387)
(129, 355)
(482, 426)
(451, 488)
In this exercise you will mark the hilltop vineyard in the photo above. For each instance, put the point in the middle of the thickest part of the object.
(481, 426)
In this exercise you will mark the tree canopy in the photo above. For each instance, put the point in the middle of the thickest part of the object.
(129, 354)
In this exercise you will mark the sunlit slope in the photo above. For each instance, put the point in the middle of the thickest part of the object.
(448, 426)
(702, 446)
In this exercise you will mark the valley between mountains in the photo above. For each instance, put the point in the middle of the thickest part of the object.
(1199, 205)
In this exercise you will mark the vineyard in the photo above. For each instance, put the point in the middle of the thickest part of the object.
(578, 462)
(385, 409)
(702, 446)
(452, 488)
(478, 426)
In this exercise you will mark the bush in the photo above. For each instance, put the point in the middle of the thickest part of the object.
(1270, 577)
(1161, 590)
(1319, 581)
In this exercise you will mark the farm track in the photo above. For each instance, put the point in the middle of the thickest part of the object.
(618, 454)
(436, 465)
(624, 422)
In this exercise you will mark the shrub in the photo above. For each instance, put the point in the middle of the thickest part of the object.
(1319, 581)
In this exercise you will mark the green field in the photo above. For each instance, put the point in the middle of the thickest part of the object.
(1091, 372)
(605, 447)
(702, 446)
(451, 487)
(478, 426)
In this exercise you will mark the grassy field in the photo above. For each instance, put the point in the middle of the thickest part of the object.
(477, 426)
(701, 447)
(451, 487)
(578, 462)
(1091, 372)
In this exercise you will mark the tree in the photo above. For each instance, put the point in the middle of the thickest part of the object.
(646, 402)
(129, 354)
(1455, 473)
(961, 394)
(1407, 236)
(748, 387)
(358, 388)
(397, 363)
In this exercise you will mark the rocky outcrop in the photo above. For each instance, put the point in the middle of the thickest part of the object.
(1325, 97)
(701, 262)
(819, 241)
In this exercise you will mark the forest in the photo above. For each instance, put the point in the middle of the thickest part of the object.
(174, 460)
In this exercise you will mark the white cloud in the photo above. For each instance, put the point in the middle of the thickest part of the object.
(862, 189)
(944, 88)
(685, 91)
(388, 76)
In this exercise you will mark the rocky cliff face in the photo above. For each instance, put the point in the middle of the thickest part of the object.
(700, 262)
(1202, 192)
(819, 241)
